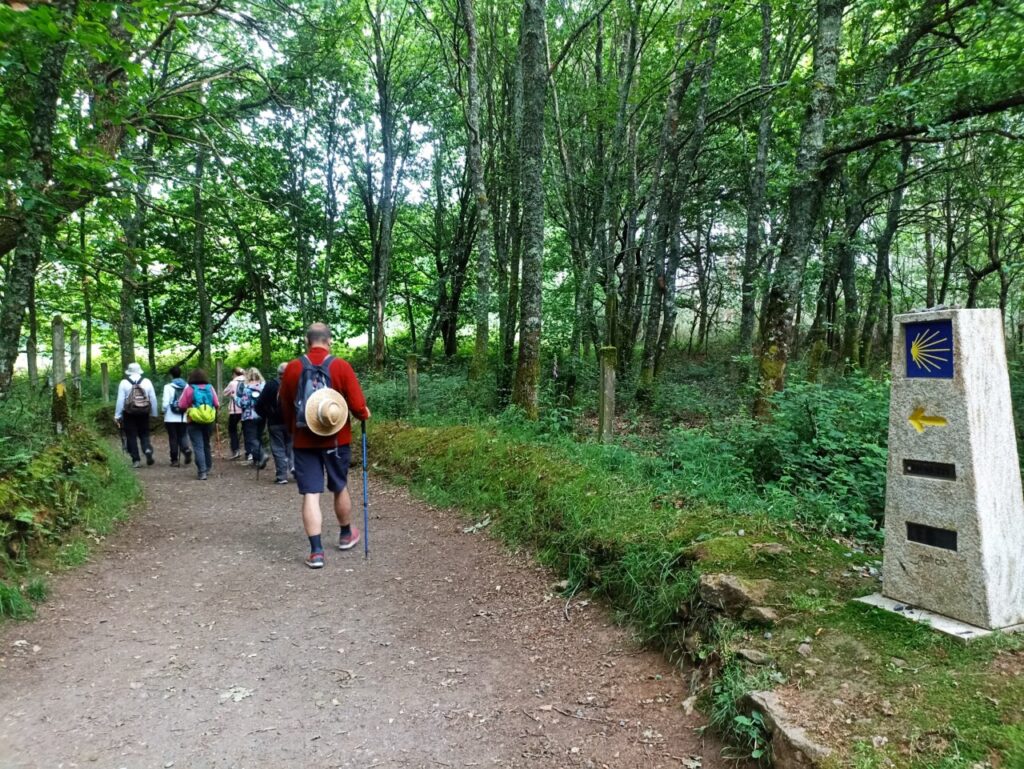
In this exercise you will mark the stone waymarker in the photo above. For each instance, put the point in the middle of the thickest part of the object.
(954, 514)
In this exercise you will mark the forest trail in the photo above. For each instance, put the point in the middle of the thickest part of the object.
(197, 638)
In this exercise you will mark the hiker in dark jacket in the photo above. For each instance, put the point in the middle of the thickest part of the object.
(280, 441)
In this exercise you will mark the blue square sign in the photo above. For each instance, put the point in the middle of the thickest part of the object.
(929, 349)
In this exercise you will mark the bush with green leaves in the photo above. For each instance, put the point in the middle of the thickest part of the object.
(828, 446)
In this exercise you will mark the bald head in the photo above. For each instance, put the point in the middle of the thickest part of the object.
(318, 335)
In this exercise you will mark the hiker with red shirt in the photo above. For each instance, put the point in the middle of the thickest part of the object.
(323, 445)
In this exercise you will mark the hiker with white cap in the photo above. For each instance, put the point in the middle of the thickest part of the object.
(136, 403)
(317, 393)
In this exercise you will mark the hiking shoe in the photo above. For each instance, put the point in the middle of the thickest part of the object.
(188, 457)
(174, 463)
(263, 462)
(281, 481)
(136, 463)
(149, 457)
(236, 455)
(203, 477)
(348, 541)
(315, 560)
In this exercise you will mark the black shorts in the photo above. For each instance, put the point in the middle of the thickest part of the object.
(310, 465)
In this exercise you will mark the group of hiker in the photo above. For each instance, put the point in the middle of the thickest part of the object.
(304, 409)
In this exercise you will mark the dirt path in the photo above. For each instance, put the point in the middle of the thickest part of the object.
(197, 638)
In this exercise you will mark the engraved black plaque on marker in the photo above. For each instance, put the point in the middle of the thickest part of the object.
(929, 535)
(922, 468)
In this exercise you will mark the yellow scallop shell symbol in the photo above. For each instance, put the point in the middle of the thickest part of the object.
(930, 350)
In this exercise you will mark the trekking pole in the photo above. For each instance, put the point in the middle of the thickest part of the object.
(366, 502)
(220, 455)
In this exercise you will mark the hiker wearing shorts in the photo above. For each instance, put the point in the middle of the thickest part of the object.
(136, 403)
(322, 446)
(175, 421)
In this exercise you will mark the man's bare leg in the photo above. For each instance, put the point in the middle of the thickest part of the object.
(343, 507)
(312, 518)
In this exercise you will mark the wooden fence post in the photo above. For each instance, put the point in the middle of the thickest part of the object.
(414, 385)
(606, 398)
(59, 404)
(105, 381)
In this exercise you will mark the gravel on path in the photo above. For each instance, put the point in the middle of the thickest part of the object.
(197, 638)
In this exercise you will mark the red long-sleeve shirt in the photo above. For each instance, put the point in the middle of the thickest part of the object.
(343, 379)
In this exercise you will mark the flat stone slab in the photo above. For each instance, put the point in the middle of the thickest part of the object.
(951, 627)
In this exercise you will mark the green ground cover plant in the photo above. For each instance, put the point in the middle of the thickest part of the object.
(59, 495)
(706, 491)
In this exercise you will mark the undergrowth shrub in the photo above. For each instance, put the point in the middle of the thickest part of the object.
(57, 493)
(827, 445)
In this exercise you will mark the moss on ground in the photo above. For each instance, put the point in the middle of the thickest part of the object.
(881, 691)
(55, 504)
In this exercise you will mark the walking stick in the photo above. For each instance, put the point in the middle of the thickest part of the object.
(366, 502)
(220, 455)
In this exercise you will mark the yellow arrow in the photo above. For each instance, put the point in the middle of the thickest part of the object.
(920, 421)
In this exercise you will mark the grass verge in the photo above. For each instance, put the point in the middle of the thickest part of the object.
(881, 692)
(56, 503)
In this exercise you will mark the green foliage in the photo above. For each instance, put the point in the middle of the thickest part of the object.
(57, 495)
(72, 554)
(826, 443)
(37, 589)
(13, 603)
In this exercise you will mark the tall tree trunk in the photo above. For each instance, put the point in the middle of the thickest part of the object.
(758, 186)
(664, 190)
(882, 246)
(485, 237)
(126, 299)
(133, 228)
(804, 204)
(86, 292)
(255, 280)
(577, 248)
(531, 149)
(147, 314)
(439, 238)
(509, 248)
(950, 233)
(686, 172)
(36, 177)
(929, 268)
(330, 203)
(632, 275)
(199, 262)
(609, 209)
(32, 345)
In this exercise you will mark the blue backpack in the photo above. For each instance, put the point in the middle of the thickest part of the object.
(179, 387)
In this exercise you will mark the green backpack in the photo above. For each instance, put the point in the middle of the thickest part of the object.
(202, 412)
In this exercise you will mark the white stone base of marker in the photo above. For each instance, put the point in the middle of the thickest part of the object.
(954, 512)
(951, 627)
